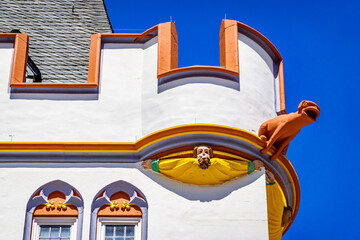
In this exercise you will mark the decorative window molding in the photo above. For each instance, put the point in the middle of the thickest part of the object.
(55, 203)
(107, 210)
(103, 222)
(63, 221)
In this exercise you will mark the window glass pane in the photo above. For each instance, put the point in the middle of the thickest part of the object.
(120, 231)
(130, 230)
(44, 231)
(109, 231)
(65, 231)
(54, 231)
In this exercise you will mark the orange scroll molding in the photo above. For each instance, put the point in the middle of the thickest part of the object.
(56, 206)
(120, 206)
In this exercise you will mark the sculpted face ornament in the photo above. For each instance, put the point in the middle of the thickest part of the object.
(309, 109)
(202, 168)
(203, 155)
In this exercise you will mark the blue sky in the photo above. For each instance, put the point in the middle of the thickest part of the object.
(319, 42)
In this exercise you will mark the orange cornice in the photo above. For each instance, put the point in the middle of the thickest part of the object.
(150, 30)
(197, 68)
(53, 85)
(262, 37)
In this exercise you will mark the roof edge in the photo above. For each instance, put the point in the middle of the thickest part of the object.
(107, 15)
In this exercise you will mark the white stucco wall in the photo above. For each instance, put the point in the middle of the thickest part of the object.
(130, 105)
(6, 57)
(234, 210)
(245, 108)
(257, 78)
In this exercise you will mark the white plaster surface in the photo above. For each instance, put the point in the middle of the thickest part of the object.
(6, 58)
(129, 104)
(245, 108)
(257, 80)
(235, 210)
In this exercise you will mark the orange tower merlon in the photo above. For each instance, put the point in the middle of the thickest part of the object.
(229, 49)
(167, 48)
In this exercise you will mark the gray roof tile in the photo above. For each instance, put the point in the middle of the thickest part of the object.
(59, 33)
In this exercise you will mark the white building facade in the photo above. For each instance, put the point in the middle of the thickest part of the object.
(71, 153)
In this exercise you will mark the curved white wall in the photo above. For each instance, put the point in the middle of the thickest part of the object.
(130, 104)
(246, 107)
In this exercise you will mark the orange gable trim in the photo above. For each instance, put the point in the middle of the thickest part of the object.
(17, 79)
(21, 44)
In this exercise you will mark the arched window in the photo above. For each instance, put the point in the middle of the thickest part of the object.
(54, 211)
(119, 211)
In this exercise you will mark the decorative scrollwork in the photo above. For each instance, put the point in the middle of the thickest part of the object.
(61, 205)
(50, 205)
(113, 205)
(126, 205)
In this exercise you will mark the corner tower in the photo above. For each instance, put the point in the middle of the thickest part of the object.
(146, 143)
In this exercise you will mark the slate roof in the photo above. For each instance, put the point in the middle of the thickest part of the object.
(59, 33)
